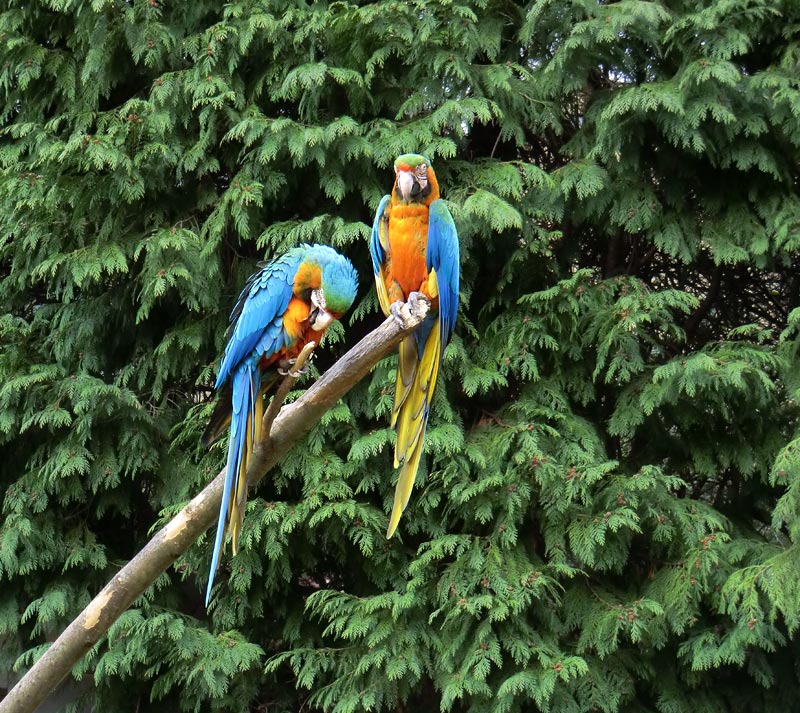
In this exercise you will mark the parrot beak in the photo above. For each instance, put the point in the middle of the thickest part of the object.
(405, 183)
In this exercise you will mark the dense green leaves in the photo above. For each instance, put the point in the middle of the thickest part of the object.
(607, 513)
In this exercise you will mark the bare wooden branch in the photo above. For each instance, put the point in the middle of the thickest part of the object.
(291, 424)
(292, 375)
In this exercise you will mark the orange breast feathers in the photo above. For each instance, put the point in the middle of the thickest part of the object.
(297, 326)
(408, 243)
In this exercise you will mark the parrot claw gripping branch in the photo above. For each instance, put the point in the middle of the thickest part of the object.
(402, 311)
(286, 367)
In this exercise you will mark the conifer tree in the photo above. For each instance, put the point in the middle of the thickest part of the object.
(607, 513)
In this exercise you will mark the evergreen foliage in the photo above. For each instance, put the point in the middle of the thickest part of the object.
(608, 512)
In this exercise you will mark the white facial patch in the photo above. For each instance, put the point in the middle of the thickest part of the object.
(322, 321)
(421, 173)
(318, 298)
(322, 318)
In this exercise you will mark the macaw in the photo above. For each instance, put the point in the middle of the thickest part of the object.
(289, 302)
(414, 248)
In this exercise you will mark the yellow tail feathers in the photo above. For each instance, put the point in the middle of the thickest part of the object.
(405, 484)
(239, 496)
(416, 380)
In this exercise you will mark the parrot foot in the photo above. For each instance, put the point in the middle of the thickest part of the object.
(400, 311)
(416, 299)
(415, 308)
(285, 368)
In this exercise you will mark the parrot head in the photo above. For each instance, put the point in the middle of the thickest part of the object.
(327, 281)
(415, 181)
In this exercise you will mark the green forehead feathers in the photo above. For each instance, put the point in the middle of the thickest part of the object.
(411, 159)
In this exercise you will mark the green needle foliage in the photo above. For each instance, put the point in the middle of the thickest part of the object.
(607, 514)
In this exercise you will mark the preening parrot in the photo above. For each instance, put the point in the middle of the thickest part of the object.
(414, 248)
(289, 302)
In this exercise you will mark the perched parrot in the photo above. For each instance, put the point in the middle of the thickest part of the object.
(289, 302)
(414, 248)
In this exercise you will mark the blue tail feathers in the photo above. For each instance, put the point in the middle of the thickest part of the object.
(244, 394)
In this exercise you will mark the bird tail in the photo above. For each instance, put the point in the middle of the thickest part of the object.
(245, 416)
(221, 415)
(417, 372)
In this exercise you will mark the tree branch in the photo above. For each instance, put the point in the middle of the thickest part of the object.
(291, 424)
(276, 402)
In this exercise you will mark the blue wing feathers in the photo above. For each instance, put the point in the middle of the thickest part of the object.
(443, 256)
(261, 303)
(273, 338)
(375, 248)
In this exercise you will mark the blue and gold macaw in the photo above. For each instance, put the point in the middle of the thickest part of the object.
(289, 302)
(414, 248)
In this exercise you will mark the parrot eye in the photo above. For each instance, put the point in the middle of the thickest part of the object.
(422, 170)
